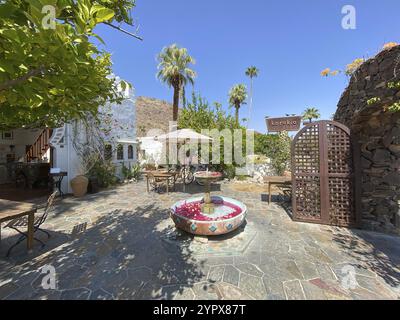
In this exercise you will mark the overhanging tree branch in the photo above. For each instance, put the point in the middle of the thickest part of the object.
(123, 31)
(14, 82)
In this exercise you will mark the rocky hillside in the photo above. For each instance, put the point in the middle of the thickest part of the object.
(152, 114)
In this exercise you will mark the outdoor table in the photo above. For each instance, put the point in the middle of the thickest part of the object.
(10, 210)
(57, 180)
(163, 175)
(278, 181)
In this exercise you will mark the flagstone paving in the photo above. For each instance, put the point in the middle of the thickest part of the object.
(121, 244)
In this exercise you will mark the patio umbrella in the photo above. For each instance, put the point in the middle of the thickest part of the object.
(184, 136)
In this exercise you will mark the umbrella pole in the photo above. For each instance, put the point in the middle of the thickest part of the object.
(168, 155)
(184, 168)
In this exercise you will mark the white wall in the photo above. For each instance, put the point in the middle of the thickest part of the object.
(65, 158)
(152, 149)
(123, 131)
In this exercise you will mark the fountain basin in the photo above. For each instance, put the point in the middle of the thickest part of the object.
(229, 214)
(205, 176)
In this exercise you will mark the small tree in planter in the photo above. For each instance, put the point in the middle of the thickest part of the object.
(89, 141)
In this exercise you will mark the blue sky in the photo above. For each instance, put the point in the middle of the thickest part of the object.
(290, 41)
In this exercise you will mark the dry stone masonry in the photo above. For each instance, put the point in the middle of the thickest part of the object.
(378, 133)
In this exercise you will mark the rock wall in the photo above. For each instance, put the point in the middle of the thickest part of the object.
(378, 132)
(261, 171)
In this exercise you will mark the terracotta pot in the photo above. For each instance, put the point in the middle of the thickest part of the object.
(79, 186)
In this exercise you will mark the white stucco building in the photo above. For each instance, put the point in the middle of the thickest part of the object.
(54, 148)
(122, 139)
(150, 150)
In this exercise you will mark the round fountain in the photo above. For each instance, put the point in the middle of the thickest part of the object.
(208, 215)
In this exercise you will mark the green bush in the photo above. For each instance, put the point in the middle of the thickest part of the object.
(199, 114)
(104, 171)
(229, 171)
(276, 147)
(133, 172)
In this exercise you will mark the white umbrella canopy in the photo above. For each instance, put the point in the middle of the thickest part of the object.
(184, 136)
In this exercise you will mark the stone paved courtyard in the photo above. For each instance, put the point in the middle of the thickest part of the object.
(121, 244)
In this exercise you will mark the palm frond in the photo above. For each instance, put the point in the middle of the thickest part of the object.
(174, 66)
(252, 72)
(238, 95)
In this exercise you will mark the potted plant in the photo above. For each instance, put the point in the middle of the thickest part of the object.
(87, 140)
(86, 180)
(93, 186)
(92, 175)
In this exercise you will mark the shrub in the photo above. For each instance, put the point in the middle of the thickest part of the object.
(104, 171)
(229, 171)
(276, 147)
(133, 172)
(199, 114)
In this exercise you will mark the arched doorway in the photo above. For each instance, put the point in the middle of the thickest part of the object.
(324, 175)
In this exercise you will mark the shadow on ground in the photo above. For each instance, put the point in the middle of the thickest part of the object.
(122, 256)
(376, 252)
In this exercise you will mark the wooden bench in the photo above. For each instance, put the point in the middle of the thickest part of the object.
(280, 181)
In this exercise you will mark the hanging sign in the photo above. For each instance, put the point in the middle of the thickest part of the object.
(284, 124)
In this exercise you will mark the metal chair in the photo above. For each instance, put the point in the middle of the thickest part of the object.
(155, 183)
(22, 222)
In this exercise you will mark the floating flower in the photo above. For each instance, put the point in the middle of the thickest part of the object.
(325, 72)
(192, 211)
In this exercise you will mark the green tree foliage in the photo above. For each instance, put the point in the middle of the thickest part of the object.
(311, 113)
(237, 97)
(199, 114)
(50, 70)
(277, 147)
(174, 70)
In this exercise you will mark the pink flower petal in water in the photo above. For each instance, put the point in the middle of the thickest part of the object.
(192, 211)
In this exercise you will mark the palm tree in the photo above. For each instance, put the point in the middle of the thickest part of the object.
(311, 113)
(174, 70)
(251, 72)
(237, 97)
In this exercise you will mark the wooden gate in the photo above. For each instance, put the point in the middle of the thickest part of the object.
(323, 175)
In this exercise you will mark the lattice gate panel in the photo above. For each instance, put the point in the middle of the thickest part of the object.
(322, 168)
(340, 176)
(306, 173)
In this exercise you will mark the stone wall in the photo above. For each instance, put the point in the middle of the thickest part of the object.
(378, 133)
(262, 170)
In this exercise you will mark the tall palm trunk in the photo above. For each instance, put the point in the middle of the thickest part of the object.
(237, 115)
(176, 103)
(251, 102)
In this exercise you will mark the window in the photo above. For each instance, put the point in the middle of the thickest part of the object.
(130, 152)
(7, 135)
(108, 152)
(120, 152)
